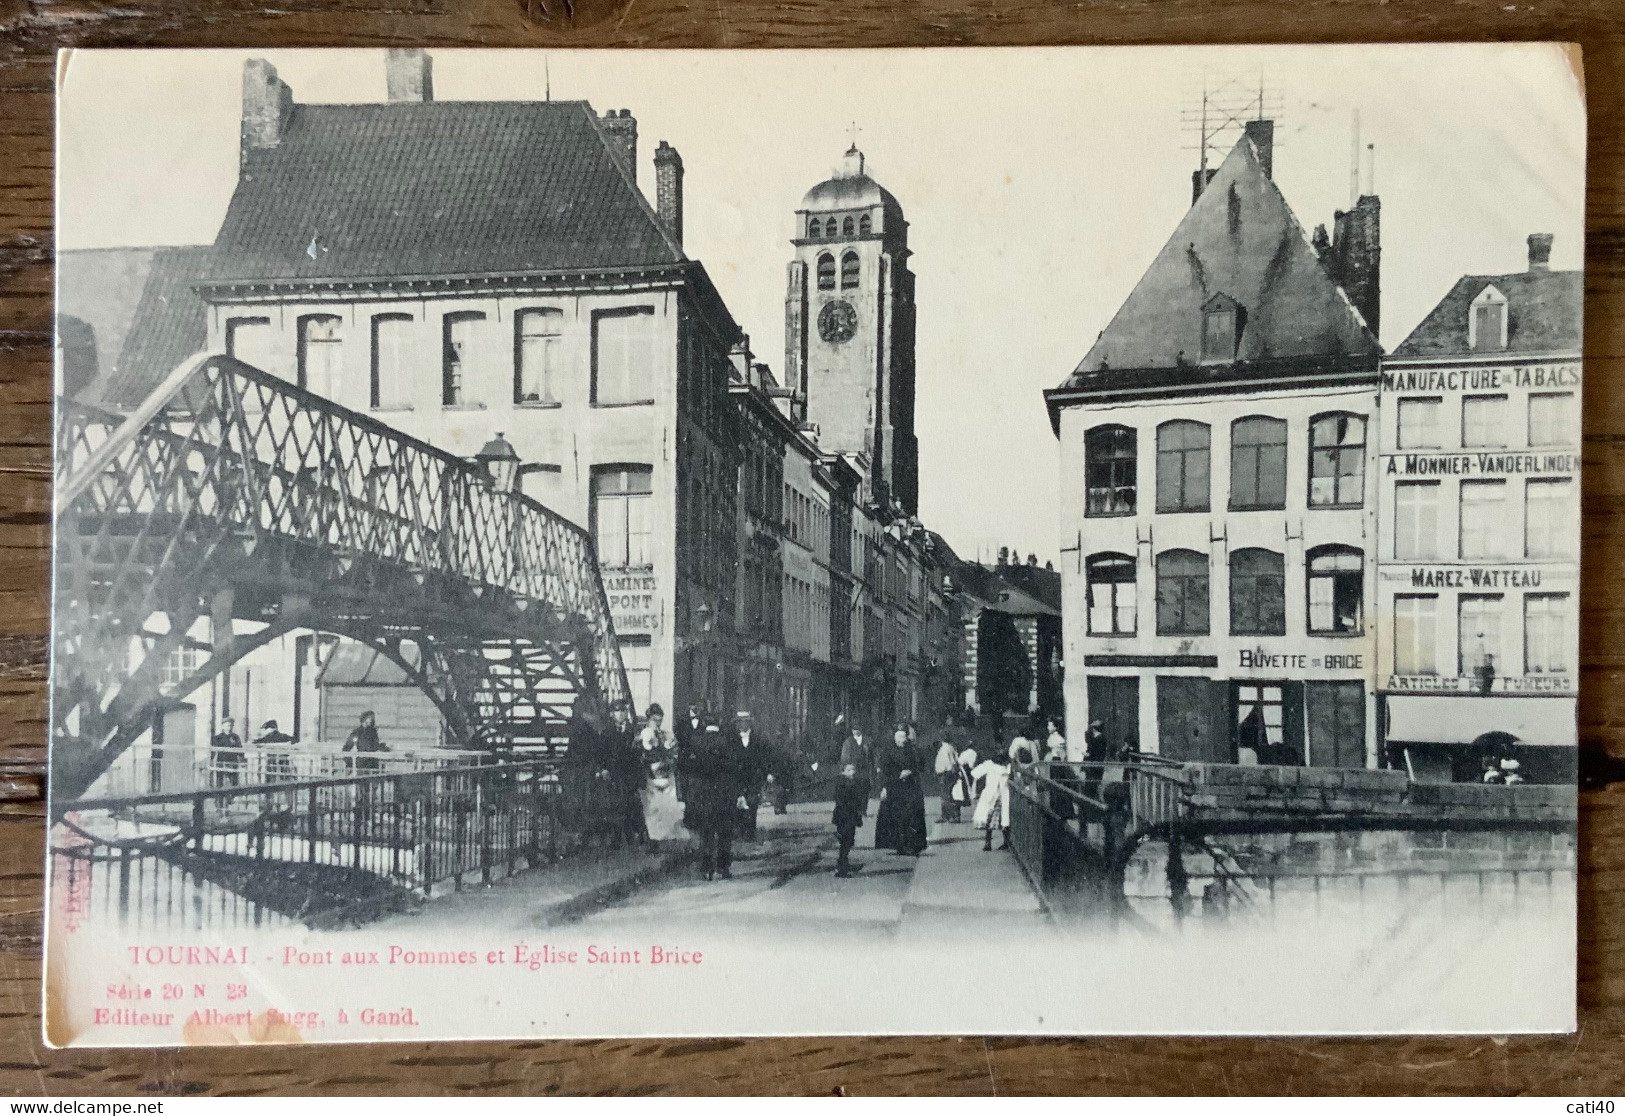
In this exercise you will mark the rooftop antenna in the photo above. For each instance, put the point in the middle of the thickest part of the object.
(1354, 161)
(547, 77)
(1217, 112)
(1370, 168)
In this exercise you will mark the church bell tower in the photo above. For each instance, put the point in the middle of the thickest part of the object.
(849, 329)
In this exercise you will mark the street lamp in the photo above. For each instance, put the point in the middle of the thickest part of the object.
(501, 462)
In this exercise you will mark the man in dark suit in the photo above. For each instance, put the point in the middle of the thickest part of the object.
(857, 751)
(758, 763)
(711, 768)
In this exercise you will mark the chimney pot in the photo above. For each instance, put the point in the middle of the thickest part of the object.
(1540, 251)
(267, 104)
(669, 190)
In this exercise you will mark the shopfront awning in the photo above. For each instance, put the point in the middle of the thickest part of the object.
(1439, 719)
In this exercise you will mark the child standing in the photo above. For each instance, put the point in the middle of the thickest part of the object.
(851, 801)
(993, 807)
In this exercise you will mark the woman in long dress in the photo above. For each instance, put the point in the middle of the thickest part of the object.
(662, 811)
(900, 822)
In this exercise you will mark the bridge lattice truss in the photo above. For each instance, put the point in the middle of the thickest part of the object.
(232, 495)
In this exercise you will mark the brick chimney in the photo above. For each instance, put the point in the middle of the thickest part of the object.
(1262, 133)
(621, 128)
(409, 75)
(1199, 181)
(267, 104)
(669, 190)
(1540, 251)
(1355, 257)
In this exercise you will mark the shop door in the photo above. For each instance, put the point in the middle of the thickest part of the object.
(1115, 703)
(1267, 720)
(1335, 712)
(1190, 720)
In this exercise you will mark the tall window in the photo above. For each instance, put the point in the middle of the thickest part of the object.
(1182, 593)
(320, 352)
(865, 225)
(847, 227)
(849, 271)
(1416, 627)
(1111, 594)
(815, 228)
(1221, 328)
(830, 229)
(1261, 718)
(1336, 591)
(536, 355)
(1257, 592)
(623, 355)
(1484, 421)
(1416, 519)
(249, 340)
(1109, 470)
(636, 657)
(1487, 322)
(621, 499)
(1483, 518)
(826, 271)
(1257, 463)
(1547, 645)
(1480, 633)
(391, 388)
(1550, 423)
(458, 362)
(1550, 518)
(1337, 461)
(1183, 452)
(1419, 423)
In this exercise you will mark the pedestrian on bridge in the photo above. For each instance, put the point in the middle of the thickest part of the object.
(226, 757)
(900, 821)
(363, 741)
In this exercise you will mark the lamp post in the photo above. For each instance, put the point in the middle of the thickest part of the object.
(501, 461)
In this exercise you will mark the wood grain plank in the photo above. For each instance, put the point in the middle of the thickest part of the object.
(1586, 1063)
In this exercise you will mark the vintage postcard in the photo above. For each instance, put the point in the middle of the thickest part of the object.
(1040, 541)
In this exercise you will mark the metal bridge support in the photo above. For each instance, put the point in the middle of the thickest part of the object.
(234, 496)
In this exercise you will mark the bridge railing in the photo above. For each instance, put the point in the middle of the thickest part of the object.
(1073, 824)
(321, 849)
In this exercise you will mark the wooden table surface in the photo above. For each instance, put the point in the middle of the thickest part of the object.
(1590, 1063)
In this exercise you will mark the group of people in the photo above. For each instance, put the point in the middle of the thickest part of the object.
(228, 756)
(657, 784)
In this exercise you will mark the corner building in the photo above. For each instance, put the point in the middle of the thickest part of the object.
(1479, 571)
(1218, 505)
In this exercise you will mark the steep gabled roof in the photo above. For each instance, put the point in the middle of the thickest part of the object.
(144, 313)
(1544, 315)
(1241, 240)
(438, 189)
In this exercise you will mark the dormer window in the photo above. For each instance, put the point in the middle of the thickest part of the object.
(1222, 322)
(1487, 322)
